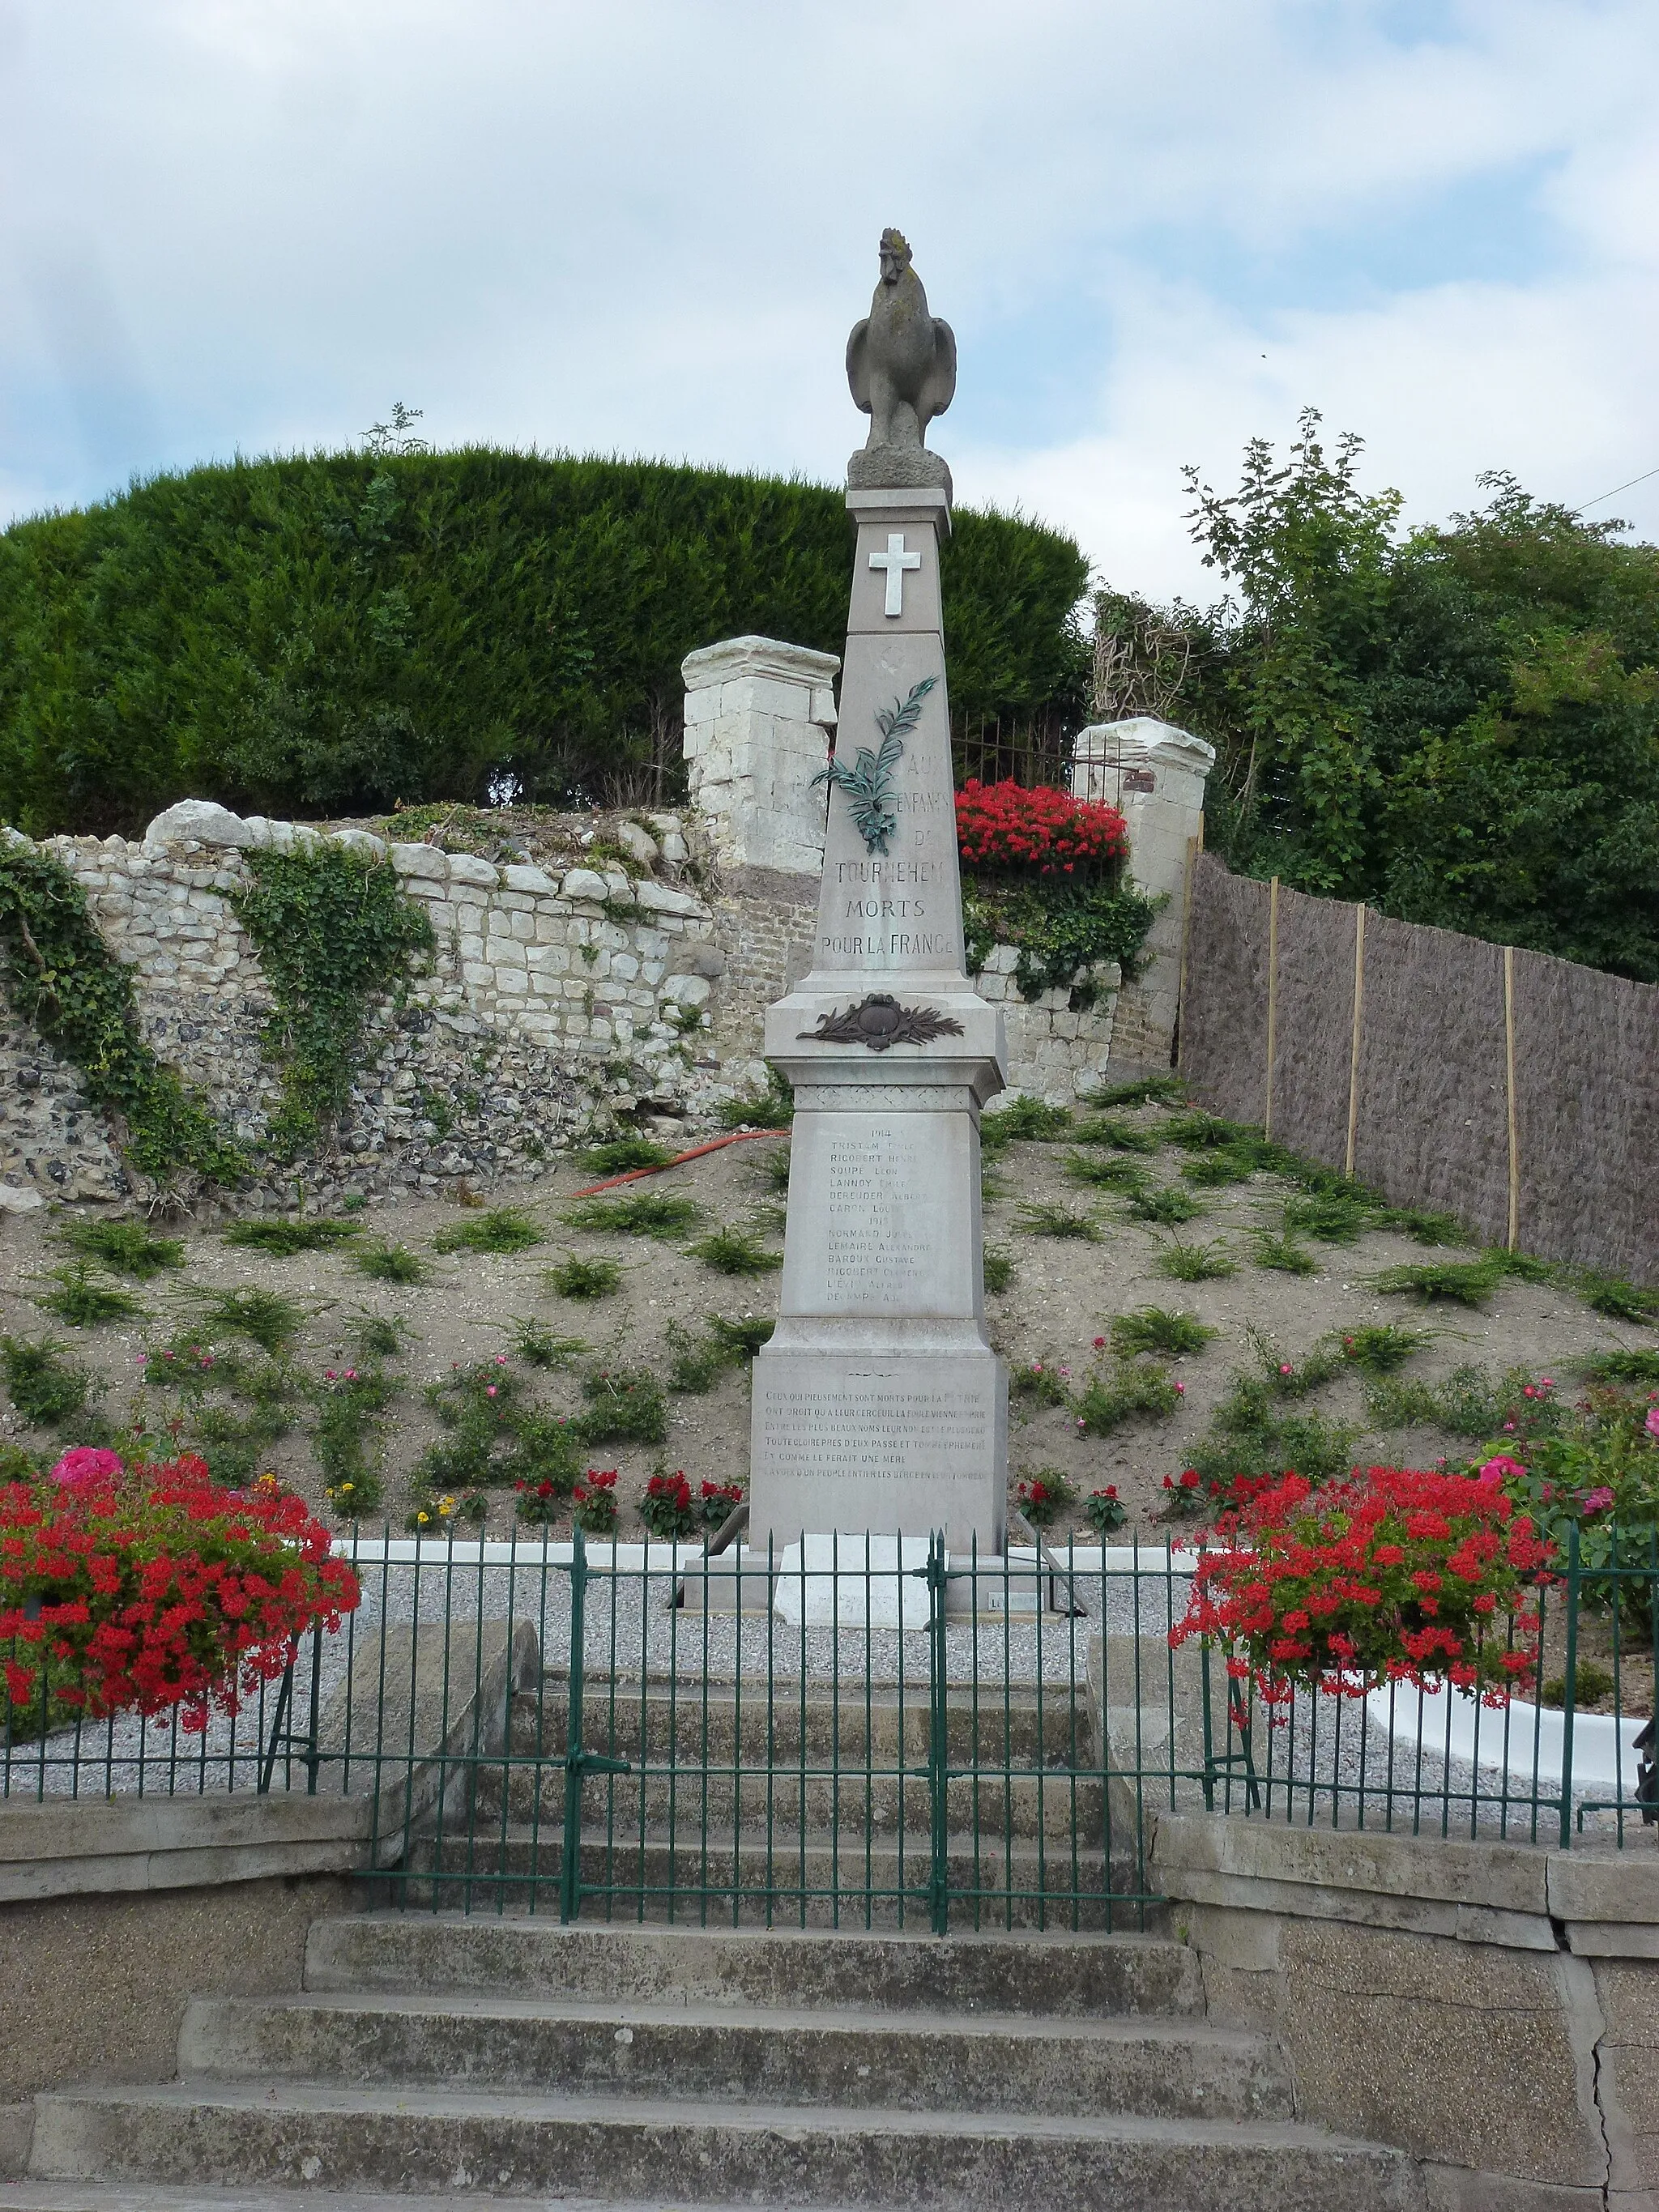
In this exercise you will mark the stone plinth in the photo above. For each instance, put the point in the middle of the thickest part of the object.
(878, 1404)
(759, 715)
(1156, 775)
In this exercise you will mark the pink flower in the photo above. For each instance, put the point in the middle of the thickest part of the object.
(1100, 1344)
(1181, 1389)
(1502, 1467)
(1284, 1366)
(1598, 1500)
(1651, 1424)
(490, 1392)
(86, 1468)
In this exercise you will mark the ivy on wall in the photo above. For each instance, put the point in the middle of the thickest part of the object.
(1058, 926)
(66, 983)
(335, 932)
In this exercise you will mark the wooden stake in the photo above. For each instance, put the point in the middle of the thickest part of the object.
(1272, 997)
(1358, 1010)
(1509, 1087)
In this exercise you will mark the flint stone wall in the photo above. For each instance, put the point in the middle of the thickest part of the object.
(555, 1001)
(1431, 1122)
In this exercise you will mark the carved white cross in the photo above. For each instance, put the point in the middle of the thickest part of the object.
(896, 561)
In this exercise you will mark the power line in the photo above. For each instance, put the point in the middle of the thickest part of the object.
(1614, 493)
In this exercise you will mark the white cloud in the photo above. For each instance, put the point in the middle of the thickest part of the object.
(646, 226)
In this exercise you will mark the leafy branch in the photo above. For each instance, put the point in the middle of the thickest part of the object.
(869, 782)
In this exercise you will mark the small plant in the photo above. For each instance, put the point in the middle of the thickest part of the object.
(349, 1436)
(620, 1154)
(1252, 1440)
(1195, 1263)
(1425, 1227)
(537, 1346)
(480, 1405)
(125, 1247)
(1291, 1378)
(773, 1108)
(1050, 1385)
(1122, 1136)
(1525, 1266)
(1157, 1329)
(593, 1503)
(716, 1503)
(264, 1317)
(1144, 1091)
(1132, 1388)
(372, 1336)
(746, 1335)
(390, 1263)
(1333, 1218)
(643, 1213)
(731, 1251)
(1616, 1298)
(698, 1366)
(998, 1265)
(543, 1501)
(774, 1168)
(1283, 1253)
(1457, 1282)
(1107, 1174)
(1023, 1121)
(1043, 1495)
(45, 1388)
(585, 1279)
(1103, 1510)
(1384, 1350)
(666, 1509)
(80, 1299)
(1050, 1220)
(1470, 1403)
(503, 1229)
(1202, 1132)
(1624, 1367)
(442, 1515)
(1165, 1204)
(1593, 1684)
(624, 1404)
(283, 1238)
(1227, 1164)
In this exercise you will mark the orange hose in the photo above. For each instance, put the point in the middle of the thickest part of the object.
(715, 1144)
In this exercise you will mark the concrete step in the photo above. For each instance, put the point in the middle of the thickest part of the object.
(1087, 1977)
(1172, 2069)
(1053, 1803)
(819, 1880)
(990, 1728)
(169, 2196)
(441, 2139)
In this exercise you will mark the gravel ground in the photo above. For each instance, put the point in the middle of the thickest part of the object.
(1063, 1295)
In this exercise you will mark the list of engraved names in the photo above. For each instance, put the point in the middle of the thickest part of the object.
(880, 1249)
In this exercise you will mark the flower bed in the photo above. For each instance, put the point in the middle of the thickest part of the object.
(149, 1587)
(1394, 1576)
(1007, 828)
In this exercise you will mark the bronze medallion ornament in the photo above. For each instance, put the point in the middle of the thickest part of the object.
(881, 1021)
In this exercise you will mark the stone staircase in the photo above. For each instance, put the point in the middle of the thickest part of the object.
(436, 2057)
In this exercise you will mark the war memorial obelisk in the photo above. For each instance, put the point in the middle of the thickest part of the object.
(878, 1404)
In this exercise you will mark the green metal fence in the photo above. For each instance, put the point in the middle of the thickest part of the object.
(637, 1732)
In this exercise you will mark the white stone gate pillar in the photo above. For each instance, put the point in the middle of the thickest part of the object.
(758, 715)
(1156, 775)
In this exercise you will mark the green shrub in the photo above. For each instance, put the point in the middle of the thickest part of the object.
(1049, 1220)
(503, 1229)
(1227, 1164)
(774, 1169)
(745, 1335)
(573, 1277)
(1424, 1227)
(1050, 1385)
(538, 1347)
(283, 1238)
(1111, 1129)
(46, 1389)
(1616, 1298)
(125, 1247)
(732, 1251)
(1624, 1367)
(1285, 1254)
(643, 1213)
(80, 1298)
(1131, 1389)
(1195, 1263)
(771, 1108)
(1024, 1120)
(1059, 929)
(333, 632)
(1043, 1495)
(1165, 1204)
(620, 1154)
(372, 1337)
(1142, 1090)
(1335, 1218)
(623, 1405)
(1592, 1683)
(264, 1317)
(1249, 1436)
(1466, 1283)
(1157, 1329)
(998, 1265)
(390, 1263)
(1198, 1131)
(348, 1438)
(1105, 1174)
(1383, 1349)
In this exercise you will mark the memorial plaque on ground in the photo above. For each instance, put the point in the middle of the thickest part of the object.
(878, 1404)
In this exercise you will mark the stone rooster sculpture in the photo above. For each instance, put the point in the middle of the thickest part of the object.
(901, 366)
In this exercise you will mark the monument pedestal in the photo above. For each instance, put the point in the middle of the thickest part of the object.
(878, 1404)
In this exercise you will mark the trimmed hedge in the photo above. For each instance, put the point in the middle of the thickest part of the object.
(334, 633)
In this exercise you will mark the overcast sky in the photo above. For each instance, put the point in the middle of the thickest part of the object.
(1159, 227)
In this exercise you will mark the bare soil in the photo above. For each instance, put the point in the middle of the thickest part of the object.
(1063, 1295)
